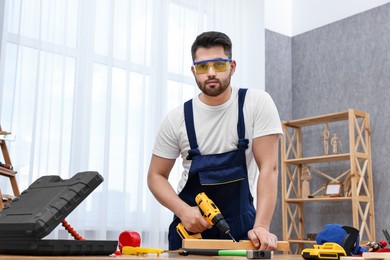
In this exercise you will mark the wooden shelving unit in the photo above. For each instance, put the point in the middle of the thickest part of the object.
(9, 173)
(359, 175)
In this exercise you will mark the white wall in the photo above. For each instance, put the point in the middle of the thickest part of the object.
(293, 17)
(249, 54)
(278, 16)
(2, 4)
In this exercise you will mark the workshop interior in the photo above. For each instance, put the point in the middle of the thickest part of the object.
(84, 86)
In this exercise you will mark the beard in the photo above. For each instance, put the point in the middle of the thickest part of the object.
(216, 88)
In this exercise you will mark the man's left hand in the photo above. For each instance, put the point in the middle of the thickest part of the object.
(262, 238)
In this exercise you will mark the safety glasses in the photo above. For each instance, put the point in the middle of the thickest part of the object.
(219, 65)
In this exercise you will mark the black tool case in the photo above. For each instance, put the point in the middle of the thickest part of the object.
(41, 208)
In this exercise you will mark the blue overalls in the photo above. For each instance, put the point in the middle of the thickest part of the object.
(224, 179)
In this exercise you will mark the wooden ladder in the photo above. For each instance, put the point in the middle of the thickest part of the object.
(6, 172)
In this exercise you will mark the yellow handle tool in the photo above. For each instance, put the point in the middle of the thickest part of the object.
(211, 213)
(131, 250)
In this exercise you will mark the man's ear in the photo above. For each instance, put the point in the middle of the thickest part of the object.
(233, 65)
(193, 70)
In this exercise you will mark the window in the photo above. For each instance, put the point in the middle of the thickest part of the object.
(85, 85)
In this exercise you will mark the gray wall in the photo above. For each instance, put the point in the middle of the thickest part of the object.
(342, 65)
(278, 82)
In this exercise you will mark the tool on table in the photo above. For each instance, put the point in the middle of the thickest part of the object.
(258, 254)
(380, 246)
(44, 205)
(211, 213)
(252, 254)
(327, 251)
(132, 250)
(376, 246)
(331, 249)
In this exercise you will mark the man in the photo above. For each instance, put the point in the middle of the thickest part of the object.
(223, 136)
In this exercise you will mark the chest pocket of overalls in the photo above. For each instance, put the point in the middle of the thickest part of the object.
(223, 168)
(216, 169)
(222, 176)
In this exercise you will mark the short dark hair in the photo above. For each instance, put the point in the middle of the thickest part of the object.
(211, 39)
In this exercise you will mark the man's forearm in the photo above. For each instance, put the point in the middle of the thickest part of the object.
(165, 194)
(267, 189)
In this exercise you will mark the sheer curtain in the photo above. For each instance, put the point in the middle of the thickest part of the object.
(85, 85)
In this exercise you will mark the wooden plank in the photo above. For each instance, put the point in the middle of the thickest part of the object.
(227, 244)
(368, 256)
(376, 255)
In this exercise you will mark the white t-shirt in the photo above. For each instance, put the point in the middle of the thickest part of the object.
(216, 129)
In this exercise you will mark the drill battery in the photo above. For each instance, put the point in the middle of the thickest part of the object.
(183, 233)
(327, 251)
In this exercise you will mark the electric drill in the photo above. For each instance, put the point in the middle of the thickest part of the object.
(211, 213)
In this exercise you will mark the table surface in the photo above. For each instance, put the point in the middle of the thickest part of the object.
(149, 256)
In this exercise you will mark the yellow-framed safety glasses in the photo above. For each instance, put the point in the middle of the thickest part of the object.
(218, 65)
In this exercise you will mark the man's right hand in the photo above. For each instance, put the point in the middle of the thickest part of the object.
(193, 220)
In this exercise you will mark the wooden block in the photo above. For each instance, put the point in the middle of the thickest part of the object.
(376, 255)
(227, 244)
(351, 258)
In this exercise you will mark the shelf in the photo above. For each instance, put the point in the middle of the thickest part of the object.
(323, 119)
(319, 159)
(317, 199)
(299, 173)
(327, 199)
(6, 172)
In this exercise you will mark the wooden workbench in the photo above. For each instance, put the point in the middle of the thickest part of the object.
(144, 257)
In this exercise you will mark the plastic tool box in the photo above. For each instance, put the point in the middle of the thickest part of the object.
(41, 208)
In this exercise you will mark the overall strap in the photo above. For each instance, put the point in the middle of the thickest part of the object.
(241, 123)
(189, 120)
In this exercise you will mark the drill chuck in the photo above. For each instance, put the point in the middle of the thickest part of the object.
(221, 223)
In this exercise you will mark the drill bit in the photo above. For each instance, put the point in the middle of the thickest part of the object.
(228, 232)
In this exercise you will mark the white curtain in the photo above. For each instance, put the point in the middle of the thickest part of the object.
(86, 83)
